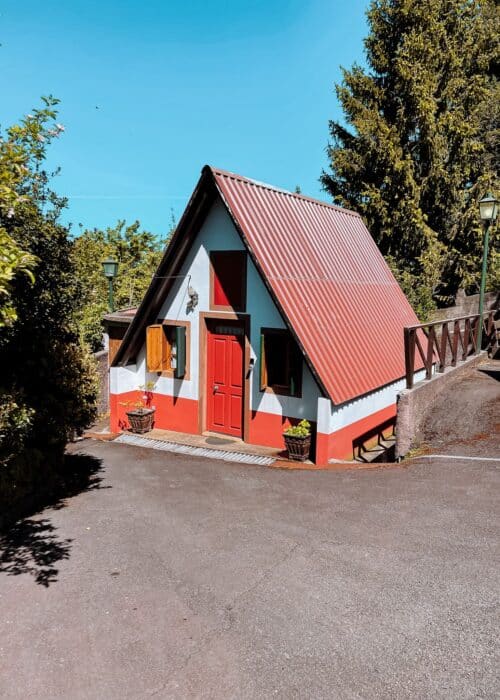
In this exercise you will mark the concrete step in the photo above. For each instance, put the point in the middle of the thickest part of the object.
(494, 350)
(382, 452)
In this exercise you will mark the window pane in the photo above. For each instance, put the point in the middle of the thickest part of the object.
(281, 363)
(276, 349)
(295, 370)
(172, 351)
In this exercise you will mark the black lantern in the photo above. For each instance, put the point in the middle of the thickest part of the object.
(110, 268)
(488, 211)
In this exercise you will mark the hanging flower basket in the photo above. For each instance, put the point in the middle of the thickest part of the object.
(298, 441)
(141, 419)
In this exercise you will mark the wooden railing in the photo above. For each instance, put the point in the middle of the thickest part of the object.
(444, 343)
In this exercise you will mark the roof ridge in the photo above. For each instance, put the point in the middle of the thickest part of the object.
(280, 190)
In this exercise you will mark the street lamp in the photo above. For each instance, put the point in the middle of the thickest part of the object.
(488, 210)
(110, 268)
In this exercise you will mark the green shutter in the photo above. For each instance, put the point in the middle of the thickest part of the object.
(262, 360)
(180, 341)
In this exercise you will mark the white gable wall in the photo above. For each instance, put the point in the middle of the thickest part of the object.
(218, 233)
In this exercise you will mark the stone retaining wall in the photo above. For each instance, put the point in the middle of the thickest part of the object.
(414, 404)
(467, 305)
(101, 359)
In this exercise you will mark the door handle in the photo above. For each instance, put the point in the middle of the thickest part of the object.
(216, 388)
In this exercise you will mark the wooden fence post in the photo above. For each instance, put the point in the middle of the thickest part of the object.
(409, 356)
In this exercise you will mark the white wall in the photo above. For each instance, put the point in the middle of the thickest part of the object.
(364, 406)
(332, 418)
(218, 233)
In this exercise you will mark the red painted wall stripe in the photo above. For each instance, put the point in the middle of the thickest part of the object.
(339, 444)
(267, 428)
(172, 412)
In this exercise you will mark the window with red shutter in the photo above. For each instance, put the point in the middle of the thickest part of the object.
(228, 280)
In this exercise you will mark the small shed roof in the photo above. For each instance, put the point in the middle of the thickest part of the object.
(121, 317)
(324, 272)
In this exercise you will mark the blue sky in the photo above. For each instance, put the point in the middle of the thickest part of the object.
(151, 91)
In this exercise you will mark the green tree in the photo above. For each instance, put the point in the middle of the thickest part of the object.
(138, 253)
(47, 388)
(419, 145)
(14, 261)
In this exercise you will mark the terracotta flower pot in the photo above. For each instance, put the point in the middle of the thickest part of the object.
(298, 447)
(141, 419)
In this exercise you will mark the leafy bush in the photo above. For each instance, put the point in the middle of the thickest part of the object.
(303, 429)
(419, 288)
(15, 422)
(48, 390)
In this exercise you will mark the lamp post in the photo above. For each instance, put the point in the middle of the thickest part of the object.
(110, 268)
(488, 210)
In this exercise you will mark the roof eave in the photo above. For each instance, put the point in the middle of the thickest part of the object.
(172, 259)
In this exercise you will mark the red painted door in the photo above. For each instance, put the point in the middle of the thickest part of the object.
(225, 379)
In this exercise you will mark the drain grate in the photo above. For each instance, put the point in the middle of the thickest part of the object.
(194, 451)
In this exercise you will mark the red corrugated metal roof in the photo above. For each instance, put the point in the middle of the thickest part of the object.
(330, 280)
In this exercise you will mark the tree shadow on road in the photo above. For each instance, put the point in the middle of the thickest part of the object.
(31, 545)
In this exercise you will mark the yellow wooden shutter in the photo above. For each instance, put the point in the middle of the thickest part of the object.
(155, 348)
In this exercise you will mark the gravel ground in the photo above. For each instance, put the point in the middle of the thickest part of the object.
(465, 420)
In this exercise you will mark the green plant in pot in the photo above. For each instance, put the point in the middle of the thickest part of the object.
(298, 441)
(141, 415)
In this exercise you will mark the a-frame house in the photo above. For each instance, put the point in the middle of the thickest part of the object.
(267, 307)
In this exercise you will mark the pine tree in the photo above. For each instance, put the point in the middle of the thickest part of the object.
(419, 146)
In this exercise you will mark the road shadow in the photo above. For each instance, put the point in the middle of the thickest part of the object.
(31, 545)
(491, 370)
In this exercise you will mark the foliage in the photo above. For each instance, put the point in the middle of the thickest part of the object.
(13, 261)
(419, 292)
(48, 392)
(419, 146)
(138, 253)
(17, 150)
(303, 429)
(15, 422)
(41, 348)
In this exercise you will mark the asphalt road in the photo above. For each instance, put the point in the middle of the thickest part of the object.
(173, 577)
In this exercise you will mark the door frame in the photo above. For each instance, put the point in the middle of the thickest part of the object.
(244, 320)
